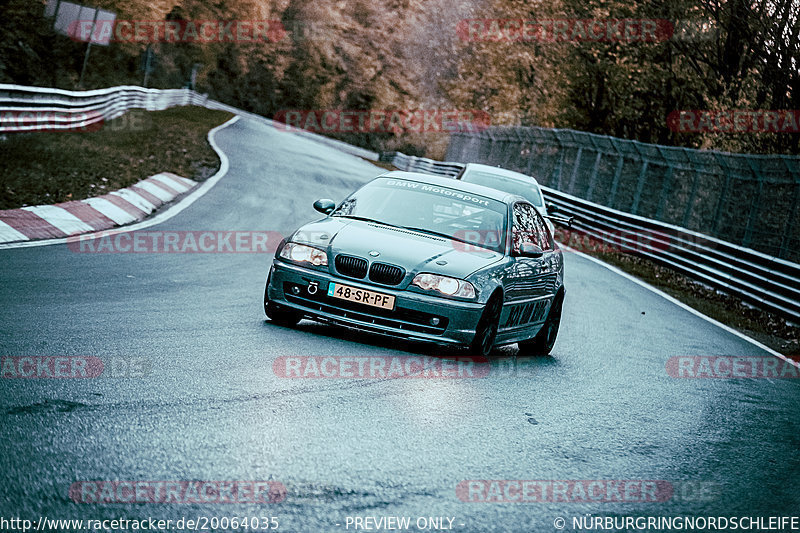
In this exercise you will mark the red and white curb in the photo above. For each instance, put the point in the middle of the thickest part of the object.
(117, 208)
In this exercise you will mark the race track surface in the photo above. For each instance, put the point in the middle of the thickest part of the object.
(602, 407)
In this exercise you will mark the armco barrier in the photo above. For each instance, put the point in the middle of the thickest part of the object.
(746, 199)
(29, 109)
(421, 164)
(37, 108)
(762, 280)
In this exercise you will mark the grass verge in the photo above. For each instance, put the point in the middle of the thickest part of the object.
(51, 167)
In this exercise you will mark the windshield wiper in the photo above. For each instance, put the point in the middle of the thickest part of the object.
(431, 232)
(440, 234)
(449, 237)
(366, 219)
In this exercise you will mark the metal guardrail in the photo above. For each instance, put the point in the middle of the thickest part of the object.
(767, 282)
(30, 109)
(421, 164)
(747, 199)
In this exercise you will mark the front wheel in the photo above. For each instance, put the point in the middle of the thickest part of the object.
(279, 314)
(486, 330)
(543, 342)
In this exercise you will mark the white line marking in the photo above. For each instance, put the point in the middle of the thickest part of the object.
(60, 218)
(7, 233)
(682, 305)
(168, 213)
(155, 190)
(136, 199)
(107, 208)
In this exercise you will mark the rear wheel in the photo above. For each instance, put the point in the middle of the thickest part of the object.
(279, 314)
(486, 330)
(543, 342)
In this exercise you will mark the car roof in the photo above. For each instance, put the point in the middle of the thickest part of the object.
(499, 171)
(451, 183)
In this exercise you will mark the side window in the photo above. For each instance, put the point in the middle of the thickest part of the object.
(529, 226)
(545, 238)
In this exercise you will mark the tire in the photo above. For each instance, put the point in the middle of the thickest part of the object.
(543, 342)
(486, 330)
(279, 314)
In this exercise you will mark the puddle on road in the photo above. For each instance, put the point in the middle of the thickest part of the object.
(531, 420)
(47, 406)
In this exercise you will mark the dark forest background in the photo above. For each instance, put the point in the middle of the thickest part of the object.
(407, 54)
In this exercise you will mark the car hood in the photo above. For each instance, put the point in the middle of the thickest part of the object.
(414, 251)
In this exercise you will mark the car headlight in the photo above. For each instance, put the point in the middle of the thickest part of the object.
(300, 253)
(445, 285)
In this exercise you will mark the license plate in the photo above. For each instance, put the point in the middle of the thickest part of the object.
(362, 296)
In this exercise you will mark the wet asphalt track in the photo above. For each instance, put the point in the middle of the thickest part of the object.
(602, 407)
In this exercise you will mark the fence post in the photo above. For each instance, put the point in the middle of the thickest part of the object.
(502, 157)
(531, 159)
(666, 185)
(492, 143)
(512, 151)
(754, 204)
(475, 141)
(639, 187)
(665, 190)
(723, 197)
(612, 193)
(593, 177)
(690, 203)
(574, 175)
(793, 214)
(559, 168)
(449, 154)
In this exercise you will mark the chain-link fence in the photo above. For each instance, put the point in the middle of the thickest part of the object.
(750, 200)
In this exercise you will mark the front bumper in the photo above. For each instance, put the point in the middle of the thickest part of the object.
(416, 316)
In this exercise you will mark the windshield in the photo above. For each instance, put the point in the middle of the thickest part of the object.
(527, 189)
(442, 211)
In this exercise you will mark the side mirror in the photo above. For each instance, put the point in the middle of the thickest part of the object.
(528, 249)
(325, 205)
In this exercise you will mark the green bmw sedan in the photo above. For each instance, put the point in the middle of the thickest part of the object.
(425, 258)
